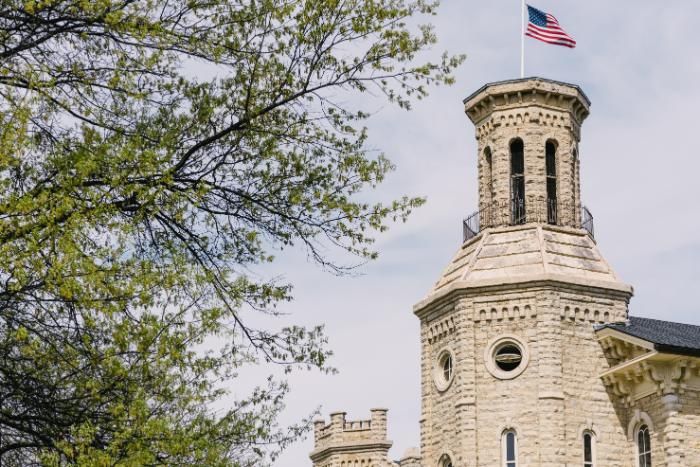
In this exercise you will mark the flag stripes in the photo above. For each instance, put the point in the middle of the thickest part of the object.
(545, 27)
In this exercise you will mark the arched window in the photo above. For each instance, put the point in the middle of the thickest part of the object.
(588, 449)
(509, 449)
(445, 461)
(574, 183)
(551, 166)
(517, 181)
(643, 447)
(488, 175)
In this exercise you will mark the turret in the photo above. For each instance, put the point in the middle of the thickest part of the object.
(528, 131)
(362, 441)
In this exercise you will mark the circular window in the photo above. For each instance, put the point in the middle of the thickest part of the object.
(443, 371)
(446, 365)
(506, 357)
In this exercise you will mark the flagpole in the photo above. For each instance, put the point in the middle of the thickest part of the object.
(522, 39)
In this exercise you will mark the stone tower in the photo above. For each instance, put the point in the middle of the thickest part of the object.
(528, 355)
(510, 363)
(345, 443)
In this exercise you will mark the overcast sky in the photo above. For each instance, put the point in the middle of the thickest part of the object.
(638, 63)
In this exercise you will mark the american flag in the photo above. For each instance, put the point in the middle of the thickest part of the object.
(545, 27)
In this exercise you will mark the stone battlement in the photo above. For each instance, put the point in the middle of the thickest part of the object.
(341, 430)
(365, 440)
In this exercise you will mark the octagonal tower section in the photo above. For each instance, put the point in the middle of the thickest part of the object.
(510, 364)
(528, 133)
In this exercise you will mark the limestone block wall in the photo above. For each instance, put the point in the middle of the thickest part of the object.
(587, 404)
(549, 405)
(506, 404)
(650, 411)
(687, 421)
(674, 420)
(439, 420)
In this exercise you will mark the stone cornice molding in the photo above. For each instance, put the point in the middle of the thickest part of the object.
(621, 346)
(527, 93)
(653, 373)
(475, 288)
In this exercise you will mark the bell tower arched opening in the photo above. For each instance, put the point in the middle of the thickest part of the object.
(551, 176)
(517, 182)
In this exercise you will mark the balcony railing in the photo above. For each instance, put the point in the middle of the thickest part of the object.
(521, 211)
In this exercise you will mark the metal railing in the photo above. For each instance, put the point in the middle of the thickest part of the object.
(527, 210)
(587, 221)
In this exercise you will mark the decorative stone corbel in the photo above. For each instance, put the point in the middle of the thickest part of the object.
(618, 387)
(669, 378)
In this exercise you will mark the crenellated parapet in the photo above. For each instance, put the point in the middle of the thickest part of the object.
(341, 431)
(361, 441)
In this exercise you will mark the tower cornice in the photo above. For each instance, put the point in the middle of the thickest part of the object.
(559, 281)
(527, 92)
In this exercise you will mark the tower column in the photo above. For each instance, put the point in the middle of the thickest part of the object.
(550, 409)
(465, 406)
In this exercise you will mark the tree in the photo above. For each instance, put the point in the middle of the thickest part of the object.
(152, 153)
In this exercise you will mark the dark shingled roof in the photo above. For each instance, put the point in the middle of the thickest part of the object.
(666, 336)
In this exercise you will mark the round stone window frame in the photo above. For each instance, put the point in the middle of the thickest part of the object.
(497, 344)
(441, 383)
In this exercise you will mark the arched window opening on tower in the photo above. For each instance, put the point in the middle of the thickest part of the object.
(551, 165)
(509, 449)
(517, 181)
(588, 449)
(574, 184)
(643, 447)
(445, 461)
(488, 176)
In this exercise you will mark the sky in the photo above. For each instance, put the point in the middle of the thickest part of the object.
(638, 63)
